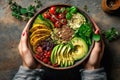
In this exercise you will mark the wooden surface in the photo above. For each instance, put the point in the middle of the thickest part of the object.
(10, 31)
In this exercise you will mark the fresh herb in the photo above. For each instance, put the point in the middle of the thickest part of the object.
(96, 37)
(38, 3)
(110, 34)
(86, 8)
(73, 10)
(62, 9)
(57, 10)
(85, 31)
(23, 13)
(68, 16)
(41, 17)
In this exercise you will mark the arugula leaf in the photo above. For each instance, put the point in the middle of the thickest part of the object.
(85, 32)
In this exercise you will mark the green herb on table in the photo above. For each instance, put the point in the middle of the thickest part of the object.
(86, 8)
(23, 13)
(110, 34)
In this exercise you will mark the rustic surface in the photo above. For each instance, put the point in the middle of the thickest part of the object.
(10, 31)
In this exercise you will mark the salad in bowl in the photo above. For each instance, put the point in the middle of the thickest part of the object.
(60, 36)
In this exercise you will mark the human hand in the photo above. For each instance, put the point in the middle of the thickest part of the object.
(24, 51)
(95, 57)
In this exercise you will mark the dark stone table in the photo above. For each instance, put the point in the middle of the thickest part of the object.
(10, 31)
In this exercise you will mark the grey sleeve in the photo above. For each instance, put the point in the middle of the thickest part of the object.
(97, 74)
(28, 74)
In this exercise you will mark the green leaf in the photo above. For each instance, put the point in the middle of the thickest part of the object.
(57, 9)
(73, 10)
(30, 14)
(68, 16)
(96, 37)
(41, 17)
(62, 9)
(23, 10)
(71, 45)
(31, 8)
(111, 34)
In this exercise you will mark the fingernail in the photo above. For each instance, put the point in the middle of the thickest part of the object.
(23, 34)
(97, 31)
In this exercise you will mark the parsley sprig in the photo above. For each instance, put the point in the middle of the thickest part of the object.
(22, 13)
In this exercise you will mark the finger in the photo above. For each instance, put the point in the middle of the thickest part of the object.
(24, 34)
(23, 41)
(97, 31)
(19, 49)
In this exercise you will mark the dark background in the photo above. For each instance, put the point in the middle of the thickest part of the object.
(10, 31)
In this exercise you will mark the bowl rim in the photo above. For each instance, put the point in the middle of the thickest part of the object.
(47, 65)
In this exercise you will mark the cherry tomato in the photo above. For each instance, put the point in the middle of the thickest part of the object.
(46, 15)
(60, 16)
(63, 21)
(37, 56)
(52, 10)
(53, 18)
(58, 24)
(45, 60)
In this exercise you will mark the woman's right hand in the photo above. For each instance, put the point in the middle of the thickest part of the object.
(94, 60)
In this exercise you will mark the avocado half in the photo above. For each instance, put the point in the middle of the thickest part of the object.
(80, 48)
(64, 55)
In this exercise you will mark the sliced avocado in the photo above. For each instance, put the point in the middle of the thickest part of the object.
(61, 55)
(66, 62)
(53, 57)
(80, 48)
(58, 52)
(62, 63)
(65, 56)
(39, 21)
(59, 49)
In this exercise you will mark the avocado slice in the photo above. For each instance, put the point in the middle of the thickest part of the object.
(80, 48)
(58, 52)
(61, 55)
(54, 51)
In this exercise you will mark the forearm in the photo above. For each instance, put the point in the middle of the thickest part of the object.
(28, 74)
(97, 74)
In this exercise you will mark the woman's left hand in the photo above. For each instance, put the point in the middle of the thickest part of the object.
(24, 51)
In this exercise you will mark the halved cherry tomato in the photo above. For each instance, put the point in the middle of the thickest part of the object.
(52, 10)
(46, 15)
(45, 60)
(63, 21)
(58, 24)
(53, 18)
(60, 16)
